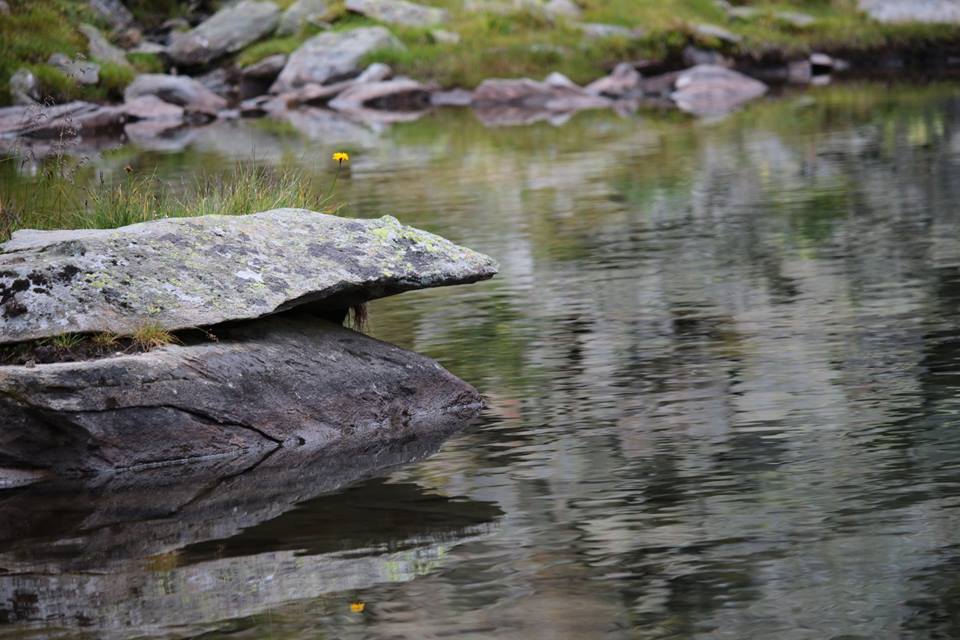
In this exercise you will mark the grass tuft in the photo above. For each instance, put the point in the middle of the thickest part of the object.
(152, 336)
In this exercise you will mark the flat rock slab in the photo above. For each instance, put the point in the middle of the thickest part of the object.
(179, 90)
(178, 273)
(227, 31)
(331, 56)
(294, 381)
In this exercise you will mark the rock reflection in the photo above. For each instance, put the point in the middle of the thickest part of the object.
(143, 553)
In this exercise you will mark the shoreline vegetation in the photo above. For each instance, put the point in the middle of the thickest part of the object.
(477, 40)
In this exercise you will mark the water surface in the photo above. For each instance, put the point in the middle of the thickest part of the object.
(723, 365)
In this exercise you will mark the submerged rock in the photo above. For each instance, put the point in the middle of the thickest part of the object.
(408, 14)
(180, 90)
(711, 89)
(227, 31)
(294, 381)
(329, 56)
(178, 273)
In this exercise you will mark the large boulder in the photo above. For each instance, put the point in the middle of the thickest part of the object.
(66, 120)
(401, 12)
(302, 13)
(188, 272)
(227, 31)
(332, 55)
(82, 71)
(295, 381)
(931, 11)
(179, 90)
(711, 89)
(401, 94)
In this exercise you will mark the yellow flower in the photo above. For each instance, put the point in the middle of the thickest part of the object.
(357, 607)
(341, 156)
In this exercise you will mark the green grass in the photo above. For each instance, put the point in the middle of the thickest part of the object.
(146, 62)
(55, 202)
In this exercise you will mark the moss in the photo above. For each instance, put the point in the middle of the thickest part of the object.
(114, 78)
(146, 62)
(257, 52)
(58, 86)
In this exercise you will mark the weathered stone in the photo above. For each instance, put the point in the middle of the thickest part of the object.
(153, 48)
(692, 56)
(442, 36)
(150, 107)
(710, 89)
(114, 12)
(821, 62)
(300, 14)
(221, 81)
(129, 38)
(60, 121)
(599, 30)
(400, 12)
(932, 11)
(189, 272)
(101, 49)
(179, 90)
(715, 32)
(246, 391)
(401, 94)
(227, 31)
(330, 55)
(565, 8)
(83, 71)
(266, 69)
(622, 80)
(24, 88)
(530, 94)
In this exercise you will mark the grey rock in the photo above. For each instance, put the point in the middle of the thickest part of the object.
(191, 272)
(821, 62)
(179, 90)
(401, 94)
(376, 72)
(599, 30)
(692, 56)
(744, 13)
(452, 98)
(711, 89)
(442, 36)
(67, 120)
(227, 31)
(799, 72)
(331, 55)
(302, 13)
(114, 12)
(930, 11)
(221, 81)
(796, 19)
(24, 87)
(524, 93)
(400, 12)
(150, 47)
(565, 8)
(248, 391)
(719, 33)
(82, 71)
(624, 79)
(266, 69)
(150, 107)
(101, 49)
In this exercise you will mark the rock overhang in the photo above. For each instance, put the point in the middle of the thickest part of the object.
(180, 273)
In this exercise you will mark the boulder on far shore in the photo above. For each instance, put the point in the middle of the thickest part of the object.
(331, 56)
(401, 12)
(179, 90)
(710, 89)
(227, 31)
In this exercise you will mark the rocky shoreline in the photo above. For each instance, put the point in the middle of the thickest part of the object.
(327, 71)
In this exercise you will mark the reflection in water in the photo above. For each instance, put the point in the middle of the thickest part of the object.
(723, 364)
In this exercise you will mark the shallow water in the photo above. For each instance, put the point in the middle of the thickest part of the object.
(723, 364)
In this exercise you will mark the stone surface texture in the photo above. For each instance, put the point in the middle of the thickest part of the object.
(178, 273)
(101, 49)
(408, 14)
(180, 90)
(332, 55)
(931, 11)
(227, 31)
(710, 89)
(294, 381)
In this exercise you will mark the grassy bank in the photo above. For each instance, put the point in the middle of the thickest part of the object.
(520, 43)
(56, 202)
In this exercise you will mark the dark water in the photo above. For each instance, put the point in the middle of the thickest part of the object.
(723, 364)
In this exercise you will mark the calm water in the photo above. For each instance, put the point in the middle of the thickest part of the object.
(723, 365)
